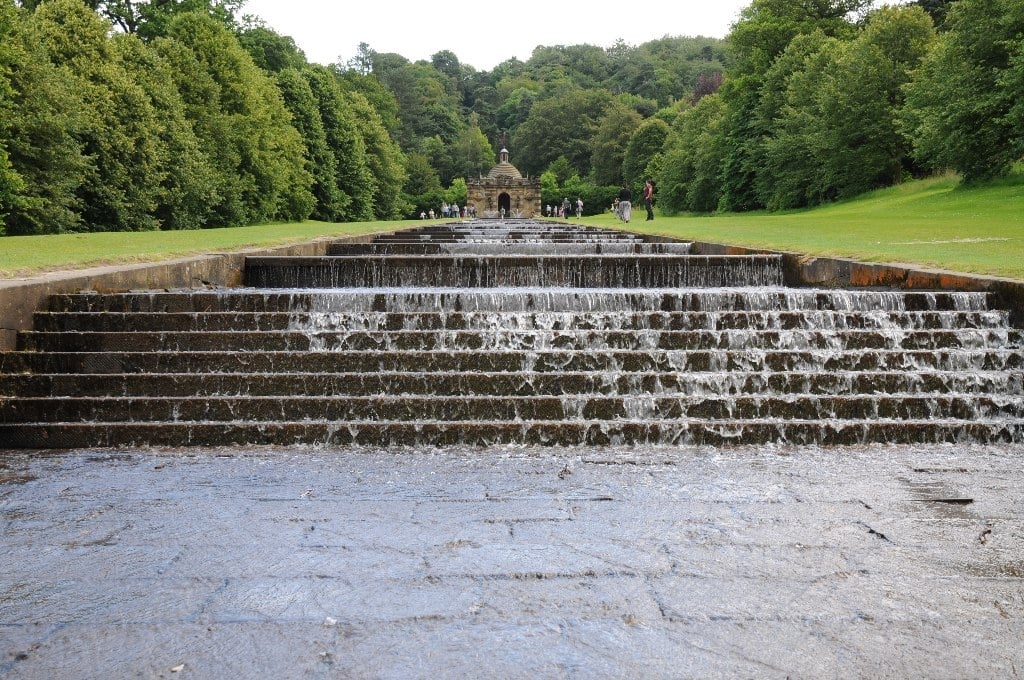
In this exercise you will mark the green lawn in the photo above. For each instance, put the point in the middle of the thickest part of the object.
(930, 223)
(26, 255)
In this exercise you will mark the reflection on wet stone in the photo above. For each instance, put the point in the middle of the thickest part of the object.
(519, 450)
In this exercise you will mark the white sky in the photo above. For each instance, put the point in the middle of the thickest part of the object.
(330, 31)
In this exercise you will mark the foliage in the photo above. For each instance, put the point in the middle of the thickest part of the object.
(42, 161)
(688, 178)
(332, 203)
(384, 159)
(964, 103)
(352, 177)
(561, 125)
(119, 130)
(612, 135)
(240, 116)
(644, 145)
(186, 115)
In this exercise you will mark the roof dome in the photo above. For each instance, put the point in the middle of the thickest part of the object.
(504, 168)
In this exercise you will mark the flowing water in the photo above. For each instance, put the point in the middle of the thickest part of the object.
(530, 333)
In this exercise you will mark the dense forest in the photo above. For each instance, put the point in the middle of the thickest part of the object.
(180, 114)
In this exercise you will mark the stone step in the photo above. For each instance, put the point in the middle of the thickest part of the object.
(841, 383)
(548, 247)
(564, 232)
(533, 433)
(397, 321)
(346, 408)
(467, 271)
(511, 361)
(535, 300)
(501, 340)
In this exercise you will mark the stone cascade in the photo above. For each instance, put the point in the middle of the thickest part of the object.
(584, 352)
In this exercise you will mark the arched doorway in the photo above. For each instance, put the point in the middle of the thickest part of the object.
(504, 203)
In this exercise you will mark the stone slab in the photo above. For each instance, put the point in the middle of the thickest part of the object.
(662, 562)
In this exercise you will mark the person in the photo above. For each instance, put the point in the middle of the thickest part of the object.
(566, 207)
(579, 207)
(649, 199)
(625, 203)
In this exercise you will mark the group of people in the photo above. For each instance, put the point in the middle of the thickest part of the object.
(623, 204)
(452, 210)
(564, 210)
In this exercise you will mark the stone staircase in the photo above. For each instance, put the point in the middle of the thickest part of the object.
(531, 333)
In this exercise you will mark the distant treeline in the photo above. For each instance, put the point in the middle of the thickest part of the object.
(181, 114)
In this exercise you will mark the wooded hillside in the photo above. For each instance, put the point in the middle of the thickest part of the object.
(181, 114)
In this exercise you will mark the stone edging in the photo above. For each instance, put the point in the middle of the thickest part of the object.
(833, 272)
(20, 298)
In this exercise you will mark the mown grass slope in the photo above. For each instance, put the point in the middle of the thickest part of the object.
(934, 223)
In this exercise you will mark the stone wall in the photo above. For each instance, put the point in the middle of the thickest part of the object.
(833, 272)
(19, 298)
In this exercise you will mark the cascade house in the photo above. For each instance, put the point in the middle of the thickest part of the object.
(504, 192)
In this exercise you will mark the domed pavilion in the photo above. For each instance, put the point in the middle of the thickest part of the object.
(504, 192)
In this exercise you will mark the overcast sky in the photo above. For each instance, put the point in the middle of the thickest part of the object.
(329, 31)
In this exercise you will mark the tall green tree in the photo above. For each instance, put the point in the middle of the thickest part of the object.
(688, 173)
(42, 163)
(472, 151)
(763, 32)
(963, 104)
(187, 186)
(384, 159)
(353, 175)
(611, 137)
(120, 130)
(644, 145)
(562, 125)
(331, 202)
(240, 116)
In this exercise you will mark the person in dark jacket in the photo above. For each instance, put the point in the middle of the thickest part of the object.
(649, 199)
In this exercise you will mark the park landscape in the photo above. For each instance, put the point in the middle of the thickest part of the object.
(824, 132)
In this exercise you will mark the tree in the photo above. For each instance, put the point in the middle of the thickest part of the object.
(42, 164)
(119, 131)
(384, 159)
(473, 154)
(688, 178)
(343, 139)
(963, 104)
(271, 51)
(644, 144)
(422, 186)
(614, 130)
(187, 187)
(332, 204)
(562, 125)
(765, 29)
(240, 116)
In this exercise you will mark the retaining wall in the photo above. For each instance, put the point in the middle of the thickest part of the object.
(19, 298)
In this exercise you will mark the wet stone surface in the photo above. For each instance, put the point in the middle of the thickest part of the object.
(587, 563)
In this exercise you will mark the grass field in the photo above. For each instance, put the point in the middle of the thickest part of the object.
(931, 223)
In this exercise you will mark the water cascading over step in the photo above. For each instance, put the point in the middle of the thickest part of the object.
(491, 332)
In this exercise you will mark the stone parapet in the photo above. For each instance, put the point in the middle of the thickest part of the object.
(21, 297)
